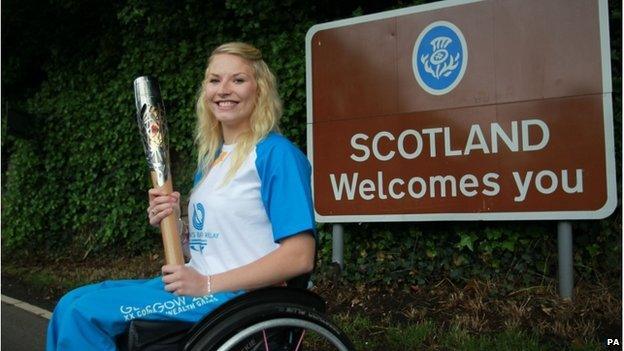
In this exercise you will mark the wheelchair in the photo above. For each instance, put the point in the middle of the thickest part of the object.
(289, 318)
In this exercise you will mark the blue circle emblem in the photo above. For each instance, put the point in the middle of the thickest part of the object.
(198, 216)
(440, 57)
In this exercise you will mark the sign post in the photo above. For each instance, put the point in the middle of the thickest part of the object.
(338, 245)
(463, 110)
(565, 258)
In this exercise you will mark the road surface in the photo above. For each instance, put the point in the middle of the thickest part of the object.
(22, 330)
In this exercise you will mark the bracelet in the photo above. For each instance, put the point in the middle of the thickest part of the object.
(208, 278)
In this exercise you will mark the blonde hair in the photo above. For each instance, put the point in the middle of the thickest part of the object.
(264, 117)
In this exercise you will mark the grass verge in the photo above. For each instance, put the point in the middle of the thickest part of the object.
(367, 334)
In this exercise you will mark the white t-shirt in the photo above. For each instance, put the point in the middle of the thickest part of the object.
(268, 199)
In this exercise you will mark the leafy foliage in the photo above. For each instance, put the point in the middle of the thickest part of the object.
(78, 185)
(411, 253)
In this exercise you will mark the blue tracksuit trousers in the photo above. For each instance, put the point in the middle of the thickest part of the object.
(90, 317)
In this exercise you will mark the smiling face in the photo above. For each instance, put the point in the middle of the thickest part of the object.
(231, 92)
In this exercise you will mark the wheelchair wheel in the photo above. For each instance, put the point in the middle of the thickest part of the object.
(271, 327)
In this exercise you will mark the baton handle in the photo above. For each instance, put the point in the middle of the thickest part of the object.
(169, 228)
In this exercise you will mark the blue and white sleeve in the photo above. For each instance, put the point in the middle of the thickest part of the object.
(285, 175)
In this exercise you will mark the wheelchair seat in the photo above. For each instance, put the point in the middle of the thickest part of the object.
(289, 309)
(153, 335)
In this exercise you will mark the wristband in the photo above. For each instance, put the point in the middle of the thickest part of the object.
(208, 278)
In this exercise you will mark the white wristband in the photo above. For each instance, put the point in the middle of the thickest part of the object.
(209, 289)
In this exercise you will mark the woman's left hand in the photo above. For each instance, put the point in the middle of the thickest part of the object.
(183, 280)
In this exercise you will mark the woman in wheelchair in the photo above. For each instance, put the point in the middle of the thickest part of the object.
(251, 226)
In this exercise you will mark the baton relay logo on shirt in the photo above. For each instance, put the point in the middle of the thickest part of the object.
(199, 238)
(198, 216)
(440, 57)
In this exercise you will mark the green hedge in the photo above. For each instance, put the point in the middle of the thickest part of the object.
(78, 186)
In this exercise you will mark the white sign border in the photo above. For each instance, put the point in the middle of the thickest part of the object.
(603, 212)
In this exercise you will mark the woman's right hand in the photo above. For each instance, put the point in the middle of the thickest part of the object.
(162, 205)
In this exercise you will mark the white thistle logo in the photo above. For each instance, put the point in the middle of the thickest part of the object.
(443, 62)
(440, 57)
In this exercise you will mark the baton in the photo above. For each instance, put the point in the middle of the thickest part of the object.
(153, 128)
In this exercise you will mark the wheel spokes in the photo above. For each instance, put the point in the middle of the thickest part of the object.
(266, 342)
(300, 339)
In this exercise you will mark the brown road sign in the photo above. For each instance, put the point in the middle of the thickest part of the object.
(463, 110)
